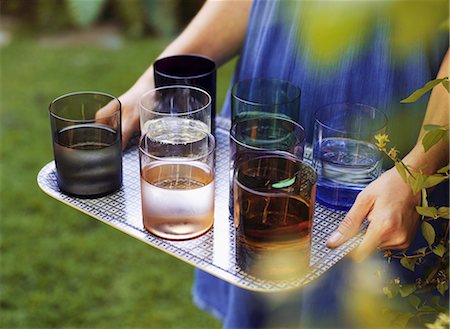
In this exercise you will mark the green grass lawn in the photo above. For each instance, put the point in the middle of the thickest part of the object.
(60, 268)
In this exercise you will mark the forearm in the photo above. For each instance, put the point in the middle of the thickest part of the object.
(437, 114)
(217, 31)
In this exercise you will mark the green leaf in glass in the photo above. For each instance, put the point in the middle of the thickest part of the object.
(284, 183)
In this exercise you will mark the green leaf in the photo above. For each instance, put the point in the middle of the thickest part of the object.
(427, 211)
(434, 180)
(439, 250)
(285, 182)
(428, 232)
(440, 308)
(446, 85)
(431, 272)
(401, 170)
(424, 198)
(427, 308)
(407, 289)
(432, 137)
(388, 292)
(391, 290)
(403, 319)
(408, 263)
(444, 170)
(435, 300)
(442, 287)
(432, 127)
(417, 182)
(421, 250)
(443, 212)
(414, 301)
(420, 92)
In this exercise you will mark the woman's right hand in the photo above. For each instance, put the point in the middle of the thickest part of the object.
(130, 108)
(217, 31)
(130, 112)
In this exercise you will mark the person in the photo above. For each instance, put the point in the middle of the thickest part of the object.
(374, 53)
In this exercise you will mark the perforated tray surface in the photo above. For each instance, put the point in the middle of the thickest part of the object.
(215, 251)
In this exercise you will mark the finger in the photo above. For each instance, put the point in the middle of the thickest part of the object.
(129, 126)
(369, 243)
(351, 223)
(400, 237)
(126, 136)
(399, 246)
(103, 115)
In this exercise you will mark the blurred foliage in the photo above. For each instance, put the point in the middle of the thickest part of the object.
(137, 17)
(432, 258)
(84, 13)
(330, 30)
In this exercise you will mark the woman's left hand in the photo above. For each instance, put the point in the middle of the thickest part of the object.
(389, 205)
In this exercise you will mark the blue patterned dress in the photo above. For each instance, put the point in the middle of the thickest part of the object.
(371, 52)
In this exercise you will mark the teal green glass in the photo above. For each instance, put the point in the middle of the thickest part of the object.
(264, 96)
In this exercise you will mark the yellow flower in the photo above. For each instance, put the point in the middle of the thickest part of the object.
(382, 139)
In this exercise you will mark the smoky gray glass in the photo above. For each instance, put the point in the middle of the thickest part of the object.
(87, 145)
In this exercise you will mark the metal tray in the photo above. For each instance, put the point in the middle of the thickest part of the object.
(215, 251)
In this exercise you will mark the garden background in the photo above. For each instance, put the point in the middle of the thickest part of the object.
(58, 267)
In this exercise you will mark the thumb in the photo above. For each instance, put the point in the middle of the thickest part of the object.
(130, 124)
(103, 115)
(351, 223)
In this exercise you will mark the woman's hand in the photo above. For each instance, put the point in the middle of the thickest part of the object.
(130, 113)
(211, 33)
(130, 108)
(389, 205)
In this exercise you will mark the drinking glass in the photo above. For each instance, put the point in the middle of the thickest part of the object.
(186, 106)
(266, 133)
(264, 96)
(177, 181)
(274, 198)
(87, 149)
(344, 151)
(257, 136)
(188, 69)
